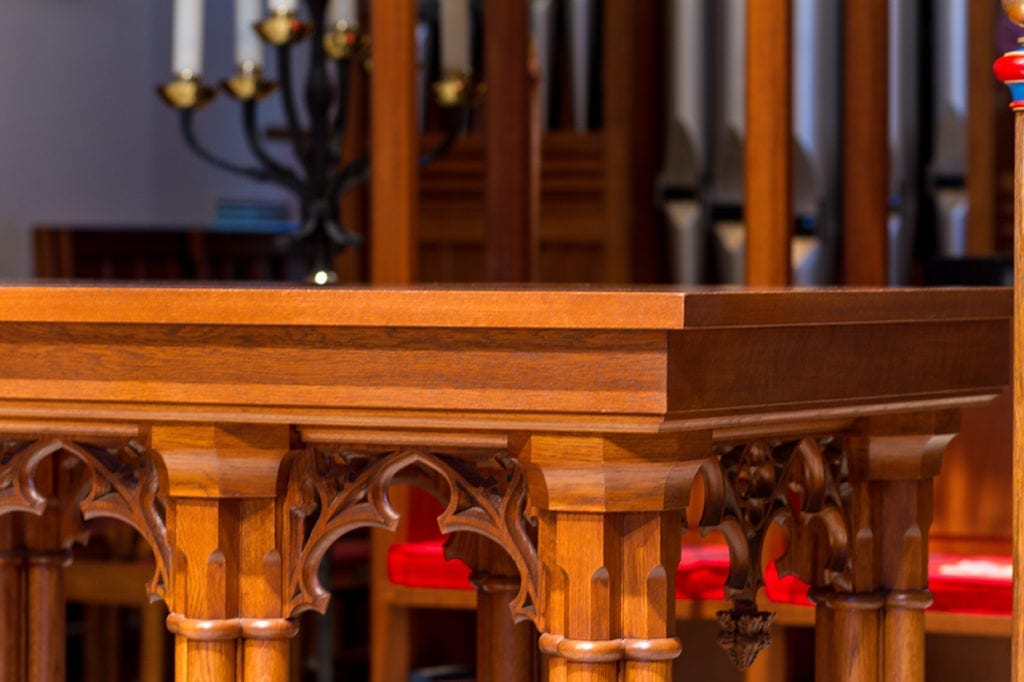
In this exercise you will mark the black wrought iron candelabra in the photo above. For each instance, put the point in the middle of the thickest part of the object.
(318, 179)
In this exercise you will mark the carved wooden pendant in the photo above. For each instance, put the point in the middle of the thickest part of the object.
(795, 484)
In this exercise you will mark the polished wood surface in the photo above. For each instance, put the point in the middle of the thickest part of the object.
(768, 209)
(865, 148)
(242, 431)
(1017, 638)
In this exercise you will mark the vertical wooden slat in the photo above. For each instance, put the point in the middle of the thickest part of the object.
(865, 142)
(768, 206)
(618, 124)
(351, 264)
(394, 141)
(511, 202)
(981, 142)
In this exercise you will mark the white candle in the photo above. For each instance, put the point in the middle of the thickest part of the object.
(248, 45)
(280, 6)
(187, 54)
(342, 12)
(455, 26)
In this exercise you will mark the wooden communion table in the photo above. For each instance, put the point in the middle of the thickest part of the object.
(242, 431)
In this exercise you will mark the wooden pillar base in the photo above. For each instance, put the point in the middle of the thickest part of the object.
(848, 648)
(610, 595)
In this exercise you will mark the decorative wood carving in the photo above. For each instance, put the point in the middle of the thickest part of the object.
(125, 485)
(339, 490)
(799, 485)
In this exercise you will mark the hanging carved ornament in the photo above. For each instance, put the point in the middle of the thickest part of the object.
(332, 491)
(118, 481)
(797, 485)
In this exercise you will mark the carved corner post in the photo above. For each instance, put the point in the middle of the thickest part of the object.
(610, 517)
(1010, 69)
(226, 598)
(872, 593)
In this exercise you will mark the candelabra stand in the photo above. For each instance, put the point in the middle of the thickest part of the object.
(319, 179)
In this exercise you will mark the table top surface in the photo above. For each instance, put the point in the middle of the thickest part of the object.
(509, 307)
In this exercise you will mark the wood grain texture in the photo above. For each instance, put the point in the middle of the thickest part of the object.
(609, 410)
(491, 307)
(1018, 404)
(983, 105)
(511, 196)
(768, 210)
(394, 145)
(12, 598)
(865, 193)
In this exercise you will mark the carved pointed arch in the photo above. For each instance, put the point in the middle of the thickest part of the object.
(121, 481)
(797, 485)
(334, 491)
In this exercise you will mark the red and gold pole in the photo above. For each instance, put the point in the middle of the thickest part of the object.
(1010, 69)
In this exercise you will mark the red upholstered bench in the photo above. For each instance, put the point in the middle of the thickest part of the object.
(961, 584)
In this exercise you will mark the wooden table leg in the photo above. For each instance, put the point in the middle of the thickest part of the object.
(227, 575)
(12, 599)
(229, 583)
(504, 648)
(849, 648)
(610, 595)
(874, 630)
(45, 558)
(608, 545)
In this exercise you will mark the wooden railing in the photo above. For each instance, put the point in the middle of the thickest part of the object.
(242, 431)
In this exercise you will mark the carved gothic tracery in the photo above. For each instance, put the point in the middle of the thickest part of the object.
(335, 490)
(802, 487)
(121, 482)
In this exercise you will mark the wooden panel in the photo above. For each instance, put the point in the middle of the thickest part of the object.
(768, 210)
(770, 367)
(377, 368)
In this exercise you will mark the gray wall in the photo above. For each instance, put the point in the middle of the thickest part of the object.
(83, 138)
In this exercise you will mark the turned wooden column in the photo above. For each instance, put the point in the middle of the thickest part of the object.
(33, 552)
(1010, 69)
(226, 570)
(45, 557)
(504, 648)
(608, 544)
(12, 600)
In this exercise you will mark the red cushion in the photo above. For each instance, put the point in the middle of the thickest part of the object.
(971, 584)
(702, 571)
(422, 564)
